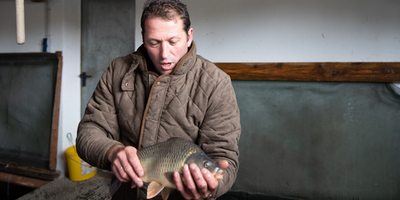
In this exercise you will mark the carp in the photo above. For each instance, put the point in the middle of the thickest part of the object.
(161, 160)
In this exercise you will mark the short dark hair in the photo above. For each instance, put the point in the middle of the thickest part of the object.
(166, 9)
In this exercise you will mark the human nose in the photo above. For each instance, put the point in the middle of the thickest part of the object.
(165, 51)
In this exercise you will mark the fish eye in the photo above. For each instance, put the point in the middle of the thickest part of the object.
(206, 164)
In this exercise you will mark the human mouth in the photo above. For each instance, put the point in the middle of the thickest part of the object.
(167, 65)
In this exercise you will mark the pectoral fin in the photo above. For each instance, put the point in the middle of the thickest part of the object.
(165, 193)
(170, 177)
(114, 187)
(153, 189)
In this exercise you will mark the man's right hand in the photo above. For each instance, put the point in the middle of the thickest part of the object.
(125, 164)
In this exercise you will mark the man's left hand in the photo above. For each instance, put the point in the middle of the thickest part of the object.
(198, 183)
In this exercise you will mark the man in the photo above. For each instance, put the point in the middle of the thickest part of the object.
(162, 90)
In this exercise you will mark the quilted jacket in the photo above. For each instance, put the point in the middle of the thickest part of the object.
(195, 102)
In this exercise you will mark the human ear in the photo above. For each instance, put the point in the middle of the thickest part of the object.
(190, 37)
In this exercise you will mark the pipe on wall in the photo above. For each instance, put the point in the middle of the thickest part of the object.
(19, 4)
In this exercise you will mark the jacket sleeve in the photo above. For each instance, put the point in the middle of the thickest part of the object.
(220, 131)
(98, 130)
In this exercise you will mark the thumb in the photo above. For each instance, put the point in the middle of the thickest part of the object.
(223, 163)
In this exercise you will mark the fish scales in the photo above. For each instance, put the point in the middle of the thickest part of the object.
(168, 156)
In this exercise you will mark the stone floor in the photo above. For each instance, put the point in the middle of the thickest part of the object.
(96, 187)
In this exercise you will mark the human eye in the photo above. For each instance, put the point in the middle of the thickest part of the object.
(173, 42)
(153, 43)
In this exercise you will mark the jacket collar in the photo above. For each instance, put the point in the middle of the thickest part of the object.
(187, 61)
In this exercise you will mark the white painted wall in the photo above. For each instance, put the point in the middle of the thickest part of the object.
(64, 35)
(225, 31)
(34, 27)
(294, 30)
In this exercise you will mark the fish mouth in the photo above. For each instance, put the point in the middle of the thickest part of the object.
(219, 175)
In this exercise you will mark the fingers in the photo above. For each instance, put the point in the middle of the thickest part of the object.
(132, 166)
(181, 188)
(199, 183)
(190, 175)
(134, 160)
(197, 175)
(210, 179)
(126, 166)
(116, 168)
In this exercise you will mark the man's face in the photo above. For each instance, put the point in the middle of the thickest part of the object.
(166, 42)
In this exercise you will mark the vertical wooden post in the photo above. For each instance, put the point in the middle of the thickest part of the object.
(56, 115)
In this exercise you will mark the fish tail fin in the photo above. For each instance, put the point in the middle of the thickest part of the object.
(153, 189)
(114, 187)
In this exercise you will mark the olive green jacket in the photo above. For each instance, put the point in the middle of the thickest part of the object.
(195, 102)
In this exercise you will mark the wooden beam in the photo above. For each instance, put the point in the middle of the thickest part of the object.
(28, 171)
(56, 115)
(22, 180)
(315, 71)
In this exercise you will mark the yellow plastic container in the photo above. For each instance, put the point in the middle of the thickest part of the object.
(78, 169)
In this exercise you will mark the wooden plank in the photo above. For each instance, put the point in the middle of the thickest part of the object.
(315, 71)
(29, 171)
(56, 115)
(22, 181)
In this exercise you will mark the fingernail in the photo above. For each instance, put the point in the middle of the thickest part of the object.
(185, 167)
(204, 171)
